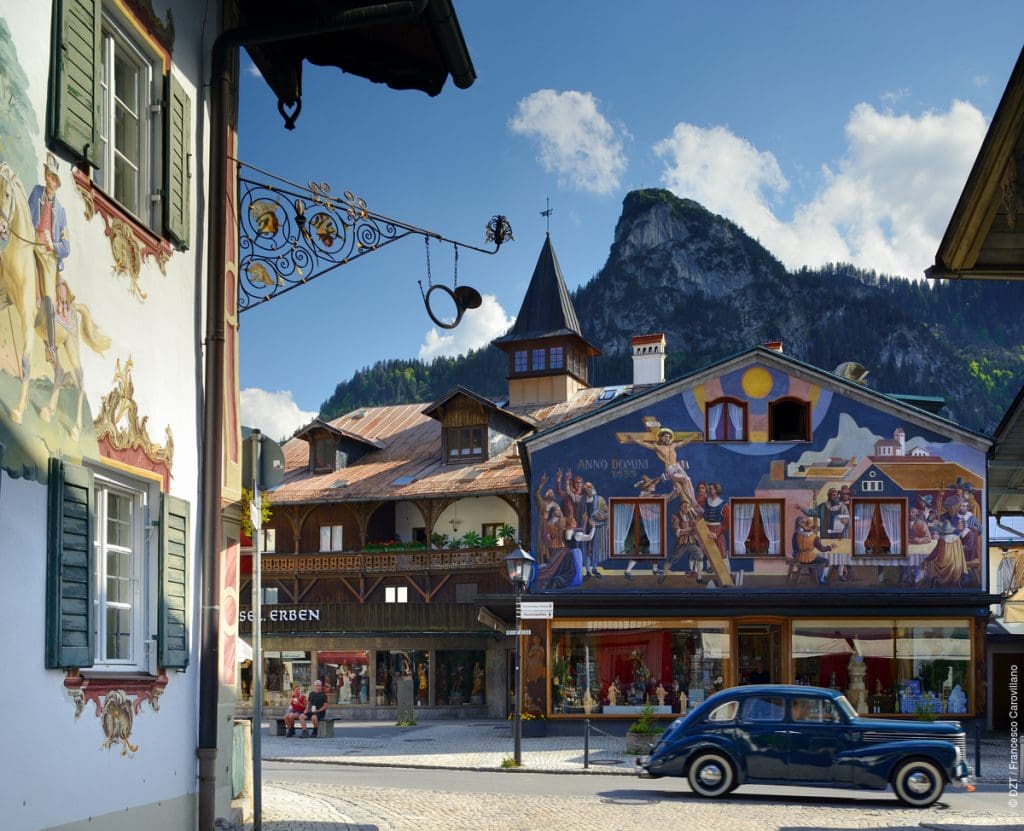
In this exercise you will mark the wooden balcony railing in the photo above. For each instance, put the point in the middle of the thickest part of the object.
(396, 562)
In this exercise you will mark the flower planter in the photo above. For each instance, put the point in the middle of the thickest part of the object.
(535, 728)
(641, 743)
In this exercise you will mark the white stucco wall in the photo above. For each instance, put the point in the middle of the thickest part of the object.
(60, 772)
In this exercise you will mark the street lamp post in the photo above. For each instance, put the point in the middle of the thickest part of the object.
(520, 566)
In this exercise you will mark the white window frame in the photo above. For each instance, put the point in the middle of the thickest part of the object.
(331, 538)
(143, 536)
(119, 38)
(396, 594)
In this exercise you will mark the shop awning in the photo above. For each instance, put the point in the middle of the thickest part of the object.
(810, 646)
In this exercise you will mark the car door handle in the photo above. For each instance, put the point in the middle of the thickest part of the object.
(784, 732)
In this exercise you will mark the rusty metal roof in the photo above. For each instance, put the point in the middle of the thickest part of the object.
(409, 465)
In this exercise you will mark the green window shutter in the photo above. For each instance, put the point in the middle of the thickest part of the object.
(174, 547)
(177, 155)
(74, 100)
(69, 570)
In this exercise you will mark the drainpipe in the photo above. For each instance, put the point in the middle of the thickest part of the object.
(224, 49)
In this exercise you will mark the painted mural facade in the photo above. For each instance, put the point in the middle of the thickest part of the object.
(759, 522)
(99, 404)
(689, 491)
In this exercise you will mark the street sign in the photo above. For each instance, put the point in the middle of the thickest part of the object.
(537, 610)
(517, 632)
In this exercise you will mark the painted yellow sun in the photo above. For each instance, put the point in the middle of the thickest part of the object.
(757, 382)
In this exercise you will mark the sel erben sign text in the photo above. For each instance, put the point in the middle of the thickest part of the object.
(274, 615)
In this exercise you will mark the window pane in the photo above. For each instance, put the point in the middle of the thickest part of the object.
(555, 356)
(764, 708)
(538, 359)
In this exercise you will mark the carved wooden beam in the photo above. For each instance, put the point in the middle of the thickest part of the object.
(363, 512)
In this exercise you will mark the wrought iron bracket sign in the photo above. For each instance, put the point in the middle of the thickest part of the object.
(289, 234)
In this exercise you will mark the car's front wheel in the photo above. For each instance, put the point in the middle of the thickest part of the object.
(711, 774)
(918, 783)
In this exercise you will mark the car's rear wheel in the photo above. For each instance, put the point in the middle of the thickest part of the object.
(711, 774)
(918, 783)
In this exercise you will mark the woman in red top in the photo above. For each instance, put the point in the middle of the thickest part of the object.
(296, 707)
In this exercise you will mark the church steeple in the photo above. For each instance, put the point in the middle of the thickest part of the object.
(547, 351)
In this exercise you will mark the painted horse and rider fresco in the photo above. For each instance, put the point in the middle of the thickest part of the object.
(37, 299)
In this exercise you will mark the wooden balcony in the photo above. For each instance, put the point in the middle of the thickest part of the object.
(277, 566)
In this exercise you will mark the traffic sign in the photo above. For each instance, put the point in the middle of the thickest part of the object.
(517, 632)
(536, 610)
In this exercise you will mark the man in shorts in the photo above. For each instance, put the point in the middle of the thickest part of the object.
(315, 710)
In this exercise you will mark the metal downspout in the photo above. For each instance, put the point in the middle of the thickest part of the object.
(214, 381)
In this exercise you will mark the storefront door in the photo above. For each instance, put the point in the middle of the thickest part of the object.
(759, 653)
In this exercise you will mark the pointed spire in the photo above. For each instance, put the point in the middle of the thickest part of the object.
(547, 308)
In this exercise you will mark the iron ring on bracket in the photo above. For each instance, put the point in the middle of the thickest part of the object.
(464, 297)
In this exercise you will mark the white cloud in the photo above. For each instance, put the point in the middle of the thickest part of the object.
(275, 414)
(253, 70)
(575, 139)
(883, 207)
(477, 328)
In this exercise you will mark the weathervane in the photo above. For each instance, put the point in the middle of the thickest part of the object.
(289, 234)
(546, 213)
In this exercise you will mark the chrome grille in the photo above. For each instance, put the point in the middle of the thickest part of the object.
(876, 736)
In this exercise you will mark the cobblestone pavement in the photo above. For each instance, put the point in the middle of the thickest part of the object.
(289, 808)
(482, 745)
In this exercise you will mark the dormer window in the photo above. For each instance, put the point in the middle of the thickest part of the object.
(324, 451)
(464, 444)
(789, 419)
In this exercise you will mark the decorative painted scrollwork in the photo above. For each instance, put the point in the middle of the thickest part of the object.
(290, 234)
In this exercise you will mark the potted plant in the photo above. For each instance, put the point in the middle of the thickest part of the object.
(643, 733)
(506, 534)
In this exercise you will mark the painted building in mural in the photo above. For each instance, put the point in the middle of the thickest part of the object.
(758, 520)
(100, 272)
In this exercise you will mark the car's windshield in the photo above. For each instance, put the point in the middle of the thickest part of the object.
(846, 707)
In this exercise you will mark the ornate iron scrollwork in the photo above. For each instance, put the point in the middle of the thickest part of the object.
(289, 235)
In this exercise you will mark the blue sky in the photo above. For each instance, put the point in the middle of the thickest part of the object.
(829, 131)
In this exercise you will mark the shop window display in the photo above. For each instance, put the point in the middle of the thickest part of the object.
(347, 674)
(905, 667)
(460, 676)
(282, 669)
(632, 665)
(393, 666)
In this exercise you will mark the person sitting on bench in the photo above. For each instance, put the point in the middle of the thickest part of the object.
(296, 707)
(316, 709)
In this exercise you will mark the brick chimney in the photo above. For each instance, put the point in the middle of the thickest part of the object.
(648, 359)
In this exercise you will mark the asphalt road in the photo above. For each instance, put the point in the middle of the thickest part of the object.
(300, 795)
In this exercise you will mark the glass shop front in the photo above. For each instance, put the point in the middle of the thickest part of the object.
(361, 677)
(918, 667)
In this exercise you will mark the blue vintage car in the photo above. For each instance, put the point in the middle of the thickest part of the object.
(776, 734)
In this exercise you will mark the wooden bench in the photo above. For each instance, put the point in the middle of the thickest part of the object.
(324, 728)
